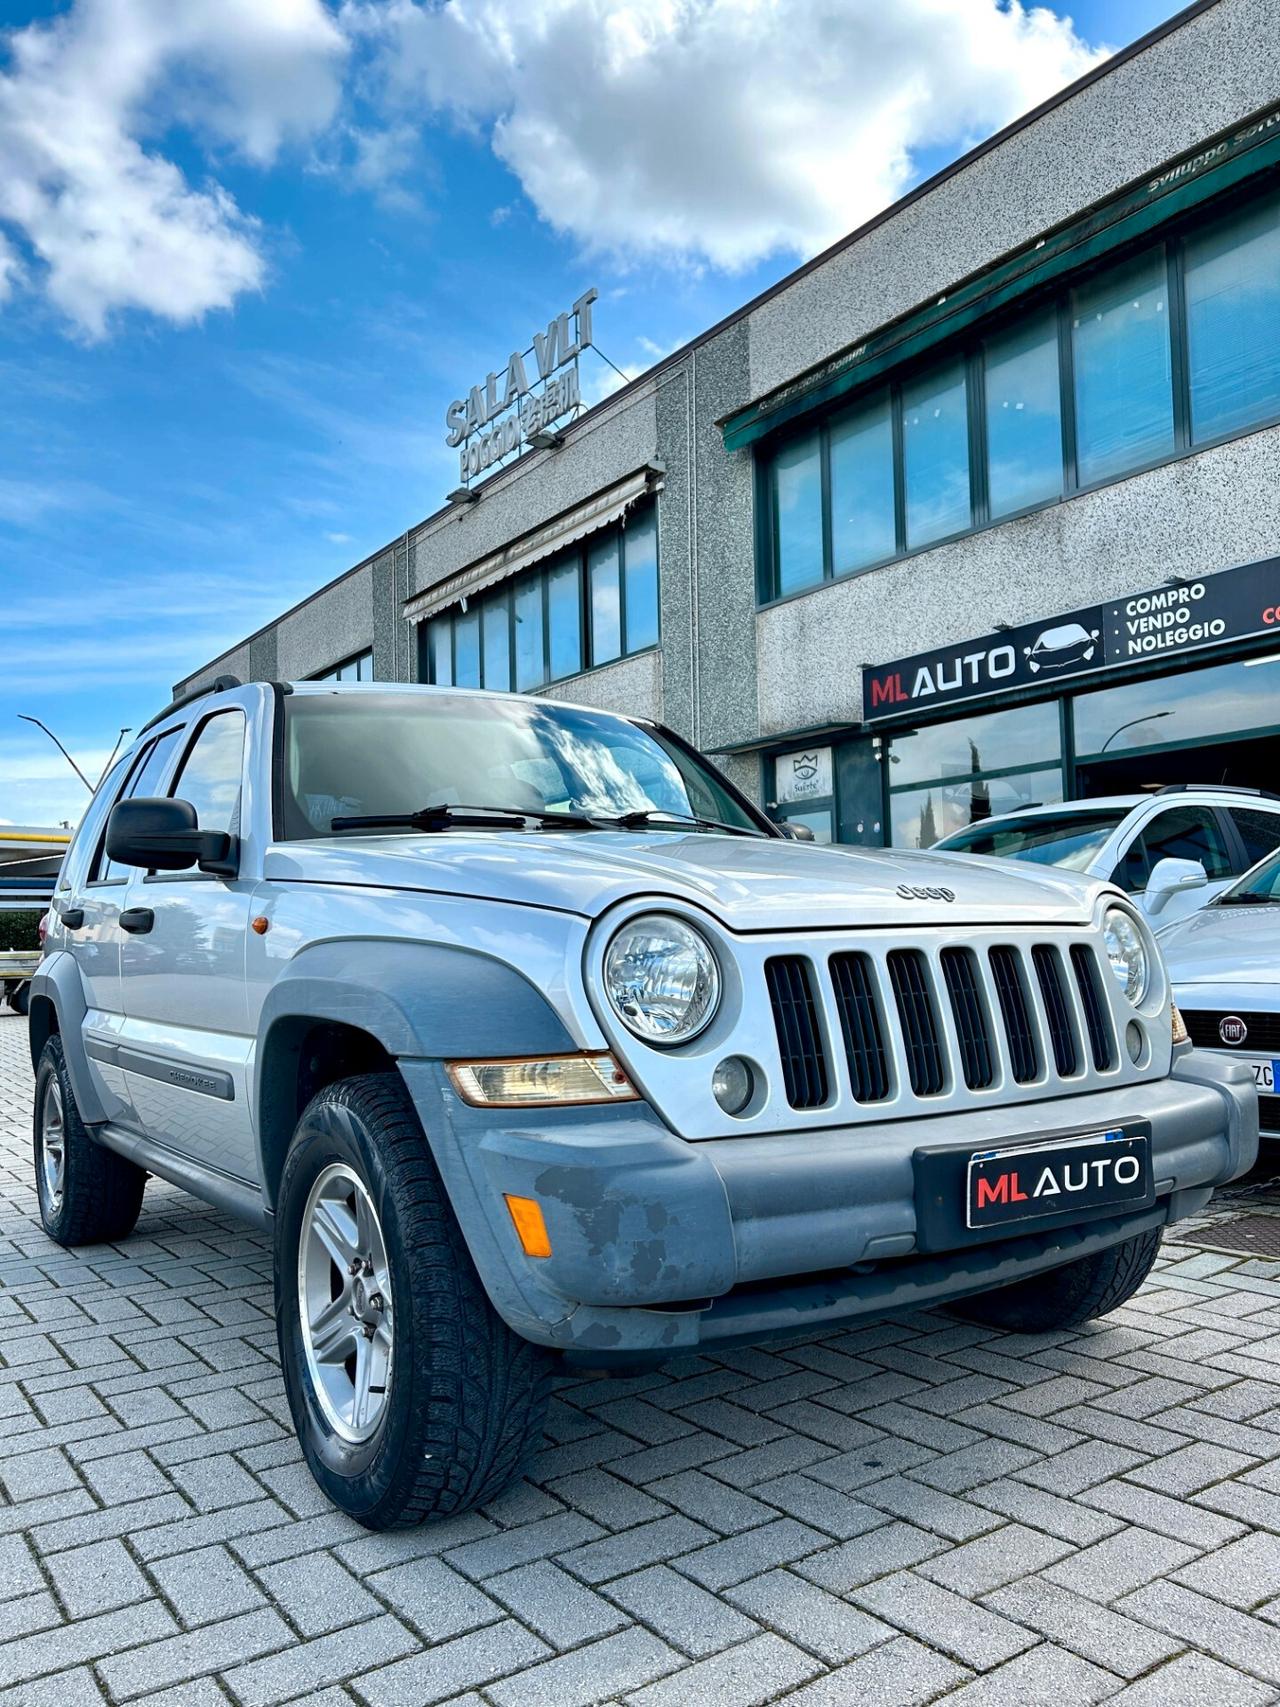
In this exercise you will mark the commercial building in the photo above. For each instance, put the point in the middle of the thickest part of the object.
(981, 507)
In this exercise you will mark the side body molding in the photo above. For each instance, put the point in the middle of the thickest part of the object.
(58, 981)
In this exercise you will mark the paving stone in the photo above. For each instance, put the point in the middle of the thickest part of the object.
(1045, 1674)
(87, 1639)
(889, 1548)
(438, 1601)
(451, 1667)
(1231, 1636)
(1190, 1469)
(607, 1668)
(1007, 1553)
(819, 1622)
(302, 1668)
(631, 1549)
(724, 1509)
(679, 1611)
(726, 1562)
(206, 1585)
(1104, 1637)
(100, 1578)
(512, 1547)
(902, 1673)
(317, 1594)
(1122, 1562)
(957, 1519)
(180, 1658)
(77, 1688)
(972, 1634)
(1244, 1573)
(744, 1676)
(608, 1501)
(1081, 1467)
(821, 1507)
(1179, 1519)
(1194, 1680)
(549, 1601)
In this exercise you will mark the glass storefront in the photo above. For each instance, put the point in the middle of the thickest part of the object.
(1219, 725)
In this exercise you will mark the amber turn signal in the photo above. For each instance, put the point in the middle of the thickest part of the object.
(531, 1229)
(1180, 1032)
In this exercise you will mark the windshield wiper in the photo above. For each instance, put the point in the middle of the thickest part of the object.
(649, 819)
(434, 818)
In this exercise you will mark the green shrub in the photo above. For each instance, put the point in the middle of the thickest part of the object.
(20, 930)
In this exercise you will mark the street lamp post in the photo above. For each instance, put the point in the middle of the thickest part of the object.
(1132, 723)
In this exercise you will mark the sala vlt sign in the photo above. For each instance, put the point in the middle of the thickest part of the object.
(537, 387)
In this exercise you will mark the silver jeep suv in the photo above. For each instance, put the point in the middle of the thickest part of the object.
(536, 1045)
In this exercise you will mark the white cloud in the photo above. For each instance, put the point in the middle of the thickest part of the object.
(109, 221)
(718, 130)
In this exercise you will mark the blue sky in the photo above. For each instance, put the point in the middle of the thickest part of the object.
(265, 242)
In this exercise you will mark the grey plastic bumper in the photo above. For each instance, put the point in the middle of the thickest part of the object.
(659, 1244)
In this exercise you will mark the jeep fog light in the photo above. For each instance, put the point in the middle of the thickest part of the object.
(733, 1084)
(662, 979)
(540, 1082)
(1125, 953)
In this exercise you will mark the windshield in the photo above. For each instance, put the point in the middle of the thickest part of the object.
(1260, 885)
(382, 754)
(1069, 839)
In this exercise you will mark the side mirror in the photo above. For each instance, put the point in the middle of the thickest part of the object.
(1170, 877)
(796, 832)
(162, 835)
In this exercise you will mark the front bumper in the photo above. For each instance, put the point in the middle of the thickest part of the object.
(660, 1244)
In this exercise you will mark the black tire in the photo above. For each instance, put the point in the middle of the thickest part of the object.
(465, 1400)
(20, 997)
(101, 1193)
(1065, 1297)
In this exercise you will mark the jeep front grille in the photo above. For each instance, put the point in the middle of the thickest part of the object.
(917, 1025)
(804, 1058)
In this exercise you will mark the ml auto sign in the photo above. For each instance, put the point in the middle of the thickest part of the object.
(536, 388)
(1180, 617)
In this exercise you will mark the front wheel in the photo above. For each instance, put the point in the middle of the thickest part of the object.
(411, 1397)
(1064, 1297)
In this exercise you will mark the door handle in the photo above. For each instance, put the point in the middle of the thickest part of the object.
(72, 917)
(137, 920)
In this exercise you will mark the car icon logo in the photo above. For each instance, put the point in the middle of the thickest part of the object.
(1232, 1030)
(1059, 648)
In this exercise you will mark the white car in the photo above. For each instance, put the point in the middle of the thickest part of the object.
(1225, 966)
(1173, 851)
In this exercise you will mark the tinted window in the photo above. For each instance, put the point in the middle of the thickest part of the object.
(935, 448)
(1123, 378)
(862, 523)
(495, 617)
(1259, 831)
(1179, 832)
(440, 651)
(1233, 321)
(211, 773)
(564, 619)
(604, 573)
(466, 650)
(797, 508)
(1024, 416)
(144, 783)
(640, 558)
(531, 668)
(94, 821)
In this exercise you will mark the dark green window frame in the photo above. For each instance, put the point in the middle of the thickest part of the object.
(505, 593)
(1171, 240)
(361, 663)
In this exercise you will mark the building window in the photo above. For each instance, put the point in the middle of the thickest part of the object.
(1023, 408)
(356, 669)
(1122, 360)
(946, 776)
(1139, 360)
(935, 449)
(1233, 321)
(585, 607)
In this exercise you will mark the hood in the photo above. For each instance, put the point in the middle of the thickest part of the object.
(749, 884)
(1224, 945)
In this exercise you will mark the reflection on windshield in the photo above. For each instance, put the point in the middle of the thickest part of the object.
(384, 754)
(1256, 887)
(1070, 840)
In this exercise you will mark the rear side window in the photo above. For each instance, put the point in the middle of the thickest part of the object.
(144, 782)
(210, 777)
(1259, 831)
(85, 842)
(1179, 832)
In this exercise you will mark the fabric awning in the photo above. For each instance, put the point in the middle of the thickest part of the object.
(596, 512)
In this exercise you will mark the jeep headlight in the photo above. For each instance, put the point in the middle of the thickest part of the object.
(662, 979)
(1125, 953)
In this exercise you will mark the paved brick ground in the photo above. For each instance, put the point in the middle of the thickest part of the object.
(911, 1511)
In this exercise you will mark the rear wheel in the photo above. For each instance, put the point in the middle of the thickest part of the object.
(1065, 1297)
(87, 1195)
(19, 996)
(411, 1397)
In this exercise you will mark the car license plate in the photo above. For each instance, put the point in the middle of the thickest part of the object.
(1264, 1075)
(1027, 1181)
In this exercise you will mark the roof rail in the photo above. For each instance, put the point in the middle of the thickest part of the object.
(219, 684)
(1216, 788)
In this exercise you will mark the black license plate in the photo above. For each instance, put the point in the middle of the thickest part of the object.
(1069, 1175)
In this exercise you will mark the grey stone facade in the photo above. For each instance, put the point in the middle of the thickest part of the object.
(729, 673)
